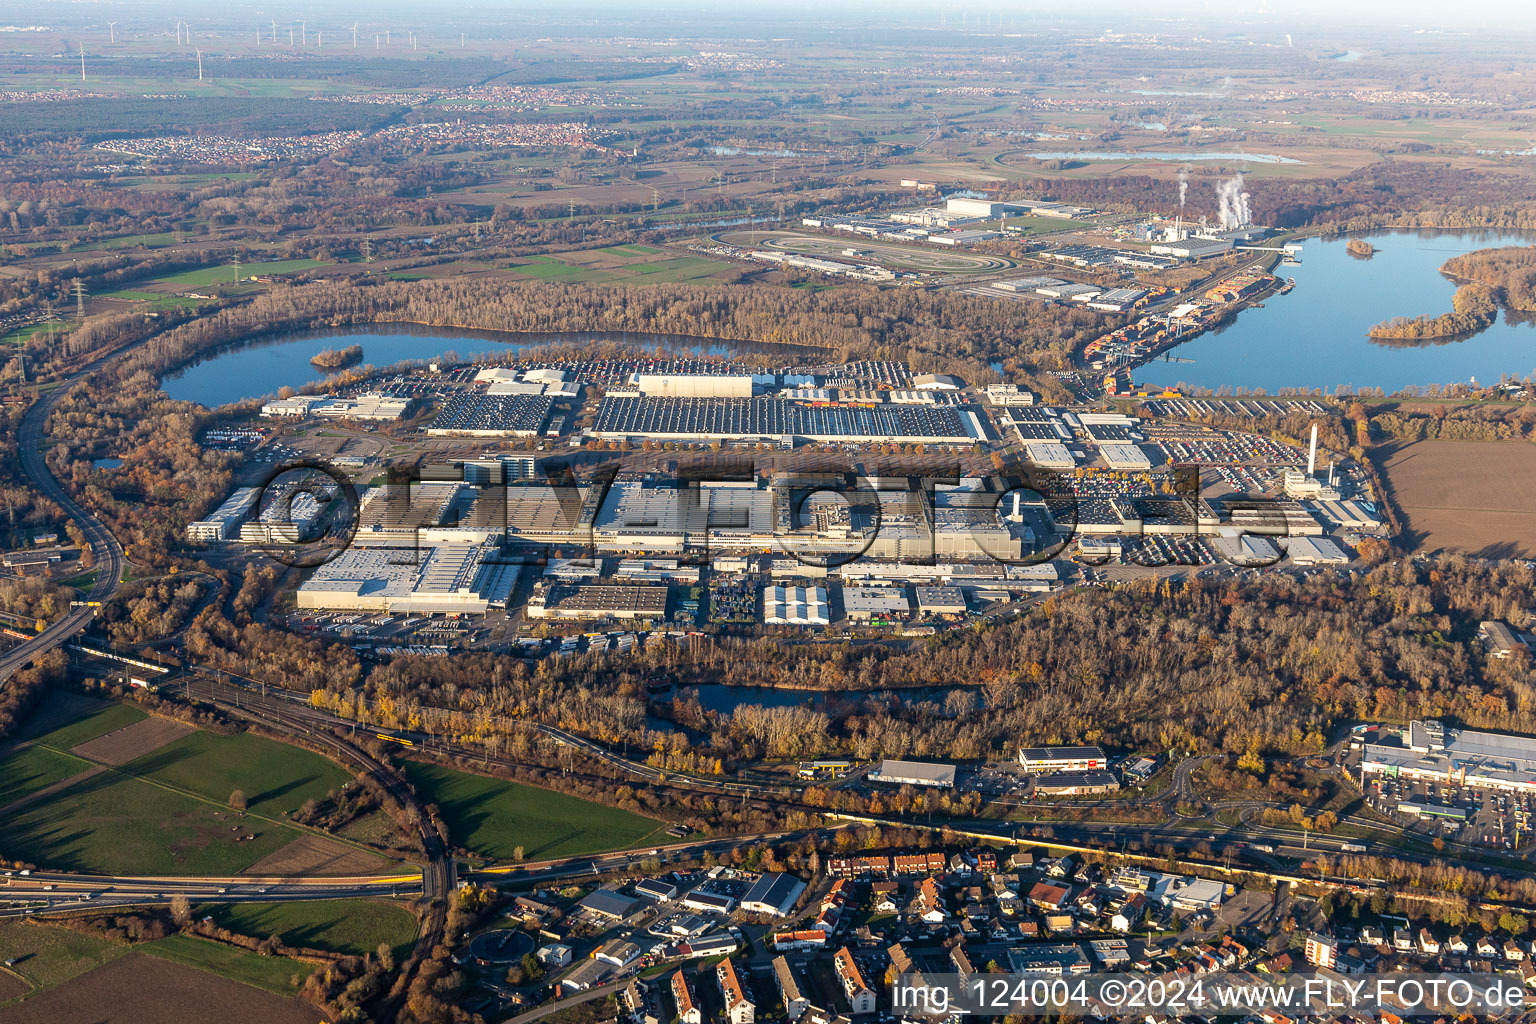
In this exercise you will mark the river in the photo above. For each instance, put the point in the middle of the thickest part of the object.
(1315, 337)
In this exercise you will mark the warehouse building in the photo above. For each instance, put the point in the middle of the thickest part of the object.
(1245, 550)
(1027, 284)
(940, 601)
(1050, 455)
(864, 604)
(694, 385)
(981, 209)
(795, 606)
(915, 773)
(1126, 457)
(610, 903)
(773, 893)
(775, 420)
(1500, 641)
(1462, 757)
(461, 578)
(1192, 248)
(370, 406)
(478, 415)
(1117, 300)
(223, 523)
(1076, 783)
(1315, 551)
(598, 601)
(1038, 760)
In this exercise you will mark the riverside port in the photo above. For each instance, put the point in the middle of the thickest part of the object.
(1138, 343)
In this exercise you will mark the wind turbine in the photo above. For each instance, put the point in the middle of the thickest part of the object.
(178, 33)
(82, 62)
(199, 65)
(354, 35)
(375, 40)
(112, 28)
(290, 38)
(274, 31)
(319, 40)
(303, 32)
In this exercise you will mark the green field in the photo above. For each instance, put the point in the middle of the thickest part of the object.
(157, 301)
(32, 769)
(108, 719)
(203, 277)
(275, 777)
(273, 973)
(113, 824)
(494, 817)
(150, 241)
(337, 926)
(46, 955)
(166, 812)
(637, 264)
(21, 335)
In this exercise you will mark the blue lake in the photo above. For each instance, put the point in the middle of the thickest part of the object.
(1315, 337)
(262, 366)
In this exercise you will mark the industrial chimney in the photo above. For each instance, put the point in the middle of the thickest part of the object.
(1312, 454)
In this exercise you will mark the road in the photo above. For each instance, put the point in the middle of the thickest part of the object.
(46, 891)
(104, 547)
(438, 879)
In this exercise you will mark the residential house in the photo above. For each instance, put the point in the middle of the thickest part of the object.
(738, 1008)
(789, 989)
(1050, 897)
(688, 1011)
(861, 998)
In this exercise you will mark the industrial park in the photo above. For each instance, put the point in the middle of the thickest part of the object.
(628, 514)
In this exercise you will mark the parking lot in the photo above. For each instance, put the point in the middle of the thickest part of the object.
(1493, 818)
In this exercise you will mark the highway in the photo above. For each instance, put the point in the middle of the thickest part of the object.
(108, 553)
(46, 891)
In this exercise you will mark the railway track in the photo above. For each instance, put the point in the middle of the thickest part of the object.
(105, 549)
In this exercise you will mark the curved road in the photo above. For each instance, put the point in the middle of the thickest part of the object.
(104, 547)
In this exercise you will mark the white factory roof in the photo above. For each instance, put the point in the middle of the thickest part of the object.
(1027, 284)
(1125, 456)
(874, 601)
(921, 773)
(1488, 758)
(1246, 550)
(795, 606)
(1315, 550)
(447, 578)
(1051, 456)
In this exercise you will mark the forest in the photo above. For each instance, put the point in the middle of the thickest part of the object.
(1269, 666)
(1474, 307)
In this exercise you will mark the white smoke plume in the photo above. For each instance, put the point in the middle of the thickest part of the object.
(1232, 204)
(1183, 186)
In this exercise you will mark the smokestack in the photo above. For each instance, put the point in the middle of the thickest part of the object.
(1312, 453)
